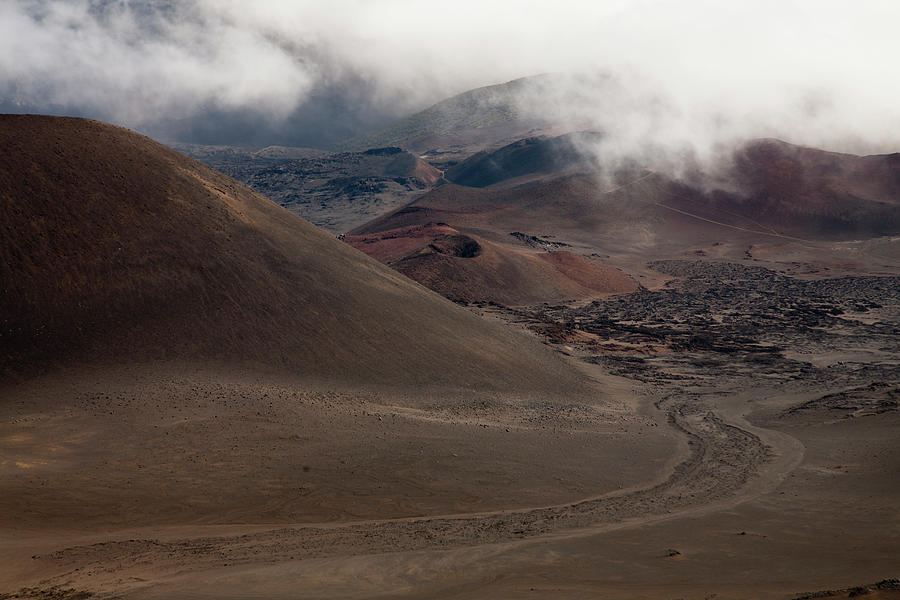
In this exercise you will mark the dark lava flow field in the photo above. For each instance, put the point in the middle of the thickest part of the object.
(723, 327)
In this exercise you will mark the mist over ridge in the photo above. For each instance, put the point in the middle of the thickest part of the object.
(661, 78)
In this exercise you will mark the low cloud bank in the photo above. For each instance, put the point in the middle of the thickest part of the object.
(675, 76)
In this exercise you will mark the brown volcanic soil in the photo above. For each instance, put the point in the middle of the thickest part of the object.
(117, 249)
(470, 268)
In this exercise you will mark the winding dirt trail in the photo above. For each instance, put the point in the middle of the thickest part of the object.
(728, 462)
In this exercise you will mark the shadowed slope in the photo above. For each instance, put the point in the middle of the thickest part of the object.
(116, 249)
(525, 160)
(812, 191)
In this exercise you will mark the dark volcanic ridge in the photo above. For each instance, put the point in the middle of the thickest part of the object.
(526, 160)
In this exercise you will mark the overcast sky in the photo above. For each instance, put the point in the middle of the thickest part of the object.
(819, 72)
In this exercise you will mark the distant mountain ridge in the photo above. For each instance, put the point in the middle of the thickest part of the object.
(484, 118)
(474, 109)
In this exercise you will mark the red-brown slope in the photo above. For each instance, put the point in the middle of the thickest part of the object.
(116, 249)
(471, 268)
(814, 192)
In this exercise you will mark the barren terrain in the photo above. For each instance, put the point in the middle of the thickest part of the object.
(758, 460)
(299, 421)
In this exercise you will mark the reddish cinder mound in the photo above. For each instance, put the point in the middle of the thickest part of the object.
(116, 249)
(389, 246)
(469, 268)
